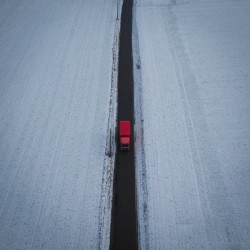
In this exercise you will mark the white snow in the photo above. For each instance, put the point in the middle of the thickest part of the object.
(57, 105)
(192, 78)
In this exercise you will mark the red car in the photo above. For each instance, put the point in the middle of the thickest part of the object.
(124, 135)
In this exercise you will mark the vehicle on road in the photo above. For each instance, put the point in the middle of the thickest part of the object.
(124, 135)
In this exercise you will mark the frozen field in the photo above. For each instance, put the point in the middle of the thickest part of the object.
(193, 170)
(55, 86)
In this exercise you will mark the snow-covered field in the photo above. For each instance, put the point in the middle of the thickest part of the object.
(56, 63)
(193, 154)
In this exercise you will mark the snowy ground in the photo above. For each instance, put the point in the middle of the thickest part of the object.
(192, 77)
(56, 63)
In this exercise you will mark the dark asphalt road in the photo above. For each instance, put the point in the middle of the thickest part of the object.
(124, 219)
